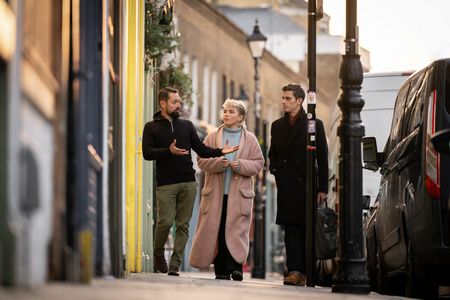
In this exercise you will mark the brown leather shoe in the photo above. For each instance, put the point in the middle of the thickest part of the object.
(159, 264)
(295, 278)
(173, 271)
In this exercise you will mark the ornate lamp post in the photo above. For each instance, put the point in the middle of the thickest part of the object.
(351, 275)
(256, 43)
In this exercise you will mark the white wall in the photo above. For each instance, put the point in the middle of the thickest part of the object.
(206, 98)
(194, 77)
(214, 99)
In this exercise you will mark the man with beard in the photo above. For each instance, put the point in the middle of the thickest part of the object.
(168, 140)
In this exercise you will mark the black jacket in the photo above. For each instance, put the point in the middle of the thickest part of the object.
(156, 139)
(287, 156)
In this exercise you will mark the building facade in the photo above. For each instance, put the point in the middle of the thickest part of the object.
(74, 96)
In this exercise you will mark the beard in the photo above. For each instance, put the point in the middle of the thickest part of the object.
(175, 114)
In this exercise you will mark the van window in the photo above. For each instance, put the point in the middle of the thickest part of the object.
(447, 88)
(395, 135)
(414, 104)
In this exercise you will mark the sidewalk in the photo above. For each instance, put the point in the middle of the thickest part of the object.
(189, 286)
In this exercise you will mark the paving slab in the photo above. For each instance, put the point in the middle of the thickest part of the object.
(188, 286)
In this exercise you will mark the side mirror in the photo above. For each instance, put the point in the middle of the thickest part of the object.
(441, 141)
(370, 154)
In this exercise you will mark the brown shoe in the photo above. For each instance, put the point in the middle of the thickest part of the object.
(173, 271)
(159, 264)
(295, 278)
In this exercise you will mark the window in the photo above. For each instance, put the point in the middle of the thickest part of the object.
(414, 104)
(224, 88)
(394, 136)
(232, 89)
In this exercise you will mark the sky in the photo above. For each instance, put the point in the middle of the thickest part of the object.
(400, 34)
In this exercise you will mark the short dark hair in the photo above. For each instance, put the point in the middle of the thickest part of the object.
(296, 89)
(164, 93)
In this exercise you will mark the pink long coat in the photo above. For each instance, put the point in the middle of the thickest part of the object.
(240, 201)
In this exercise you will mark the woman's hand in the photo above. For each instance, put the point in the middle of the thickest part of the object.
(234, 165)
(225, 163)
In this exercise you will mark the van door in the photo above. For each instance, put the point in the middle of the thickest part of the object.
(389, 211)
(402, 161)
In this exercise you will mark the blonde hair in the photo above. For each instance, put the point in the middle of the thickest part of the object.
(242, 109)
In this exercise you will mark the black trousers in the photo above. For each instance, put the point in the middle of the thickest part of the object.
(295, 242)
(224, 263)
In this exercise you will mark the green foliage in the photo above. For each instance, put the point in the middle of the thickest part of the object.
(160, 40)
(159, 37)
(175, 77)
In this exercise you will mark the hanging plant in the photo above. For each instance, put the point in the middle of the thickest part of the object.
(175, 77)
(161, 40)
(159, 37)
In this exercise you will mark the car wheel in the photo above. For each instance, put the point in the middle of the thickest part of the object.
(372, 264)
(416, 288)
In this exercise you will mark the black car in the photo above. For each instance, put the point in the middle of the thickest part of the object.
(408, 232)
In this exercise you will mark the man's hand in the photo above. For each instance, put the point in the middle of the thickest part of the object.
(234, 165)
(177, 151)
(227, 149)
(321, 197)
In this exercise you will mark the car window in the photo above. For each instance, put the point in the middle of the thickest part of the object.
(395, 134)
(414, 104)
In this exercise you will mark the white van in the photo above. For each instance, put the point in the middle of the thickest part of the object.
(378, 91)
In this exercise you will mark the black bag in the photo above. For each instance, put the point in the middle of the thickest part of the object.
(326, 232)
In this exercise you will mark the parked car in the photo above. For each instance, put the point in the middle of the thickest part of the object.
(408, 232)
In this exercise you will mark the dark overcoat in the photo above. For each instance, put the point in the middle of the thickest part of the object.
(287, 156)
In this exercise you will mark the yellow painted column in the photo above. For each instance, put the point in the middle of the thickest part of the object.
(134, 98)
(139, 127)
(129, 139)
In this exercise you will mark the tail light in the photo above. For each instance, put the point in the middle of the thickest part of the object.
(432, 180)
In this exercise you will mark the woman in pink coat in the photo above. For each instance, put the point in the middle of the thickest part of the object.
(222, 234)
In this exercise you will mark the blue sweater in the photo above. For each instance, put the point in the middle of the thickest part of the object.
(233, 136)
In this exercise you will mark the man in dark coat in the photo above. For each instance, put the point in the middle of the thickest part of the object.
(287, 156)
(168, 140)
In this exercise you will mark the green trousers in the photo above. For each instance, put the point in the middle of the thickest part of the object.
(175, 202)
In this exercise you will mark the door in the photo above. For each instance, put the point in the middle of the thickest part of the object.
(85, 162)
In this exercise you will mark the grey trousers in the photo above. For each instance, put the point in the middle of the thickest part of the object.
(175, 203)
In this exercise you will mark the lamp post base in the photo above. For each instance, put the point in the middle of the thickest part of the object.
(351, 277)
(258, 273)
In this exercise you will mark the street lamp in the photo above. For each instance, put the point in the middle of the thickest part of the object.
(256, 43)
(351, 275)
